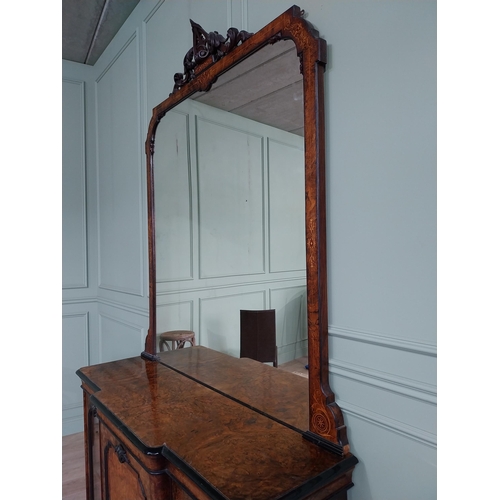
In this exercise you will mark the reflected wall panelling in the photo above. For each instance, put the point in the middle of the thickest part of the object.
(174, 206)
(231, 198)
(207, 196)
(287, 251)
(118, 338)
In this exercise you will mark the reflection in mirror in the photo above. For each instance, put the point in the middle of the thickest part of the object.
(229, 206)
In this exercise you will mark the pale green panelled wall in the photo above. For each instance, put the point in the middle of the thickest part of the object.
(230, 219)
(381, 201)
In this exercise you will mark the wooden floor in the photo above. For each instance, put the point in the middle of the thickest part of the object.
(73, 467)
(73, 451)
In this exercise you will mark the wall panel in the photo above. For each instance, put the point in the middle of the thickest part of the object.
(118, 338)
(230, 195)
(75, 354)
(120, 151)
(287, 249)
(231, 200)
(173, 199)
(393, 465)
(74, 221)
(395, 357)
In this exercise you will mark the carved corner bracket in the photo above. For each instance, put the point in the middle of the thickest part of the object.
(205, 45)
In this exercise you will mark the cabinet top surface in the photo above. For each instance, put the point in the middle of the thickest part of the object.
(197, 416)
(275, 393)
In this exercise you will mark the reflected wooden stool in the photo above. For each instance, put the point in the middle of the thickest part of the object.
(178, 339)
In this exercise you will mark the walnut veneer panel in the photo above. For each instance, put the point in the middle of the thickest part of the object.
(276, 393)
(240, 453)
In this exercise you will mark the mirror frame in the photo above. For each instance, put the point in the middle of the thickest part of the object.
(326, 421)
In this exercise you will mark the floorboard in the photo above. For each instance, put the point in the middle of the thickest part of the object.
(73, 467)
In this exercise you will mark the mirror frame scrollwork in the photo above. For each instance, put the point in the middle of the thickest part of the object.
(212, 55)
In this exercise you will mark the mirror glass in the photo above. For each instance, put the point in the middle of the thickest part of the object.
(229, 206)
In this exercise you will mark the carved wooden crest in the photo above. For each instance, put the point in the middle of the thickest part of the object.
(205, 45)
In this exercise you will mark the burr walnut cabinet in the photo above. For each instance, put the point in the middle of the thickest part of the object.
(201, 424)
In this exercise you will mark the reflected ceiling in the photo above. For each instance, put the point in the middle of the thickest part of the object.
(266, 87)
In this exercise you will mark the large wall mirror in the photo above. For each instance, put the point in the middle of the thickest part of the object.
(236, 199)
(229, 205)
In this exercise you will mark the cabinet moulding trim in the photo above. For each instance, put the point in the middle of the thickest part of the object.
(389, 424)
(402, 386)
(383, 341)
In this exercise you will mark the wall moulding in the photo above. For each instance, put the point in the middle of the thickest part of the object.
(383, 341)
(389, 424)
(400, 385)
(123, 307)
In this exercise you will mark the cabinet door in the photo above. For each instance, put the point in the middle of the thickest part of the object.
(123, 477)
